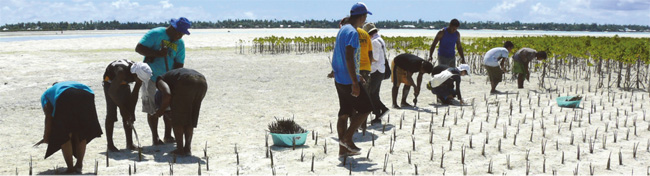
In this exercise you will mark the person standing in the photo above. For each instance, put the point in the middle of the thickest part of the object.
(163, 49)
(365, 61)
(366, 56)
(183, 90)
(449, 37)
(117, 77)
(70, 121)
(404, 65)
(345, 63)
(493, 61)
(520, 63)
(378, 69)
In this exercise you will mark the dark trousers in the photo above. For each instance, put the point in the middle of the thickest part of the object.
(374, 87)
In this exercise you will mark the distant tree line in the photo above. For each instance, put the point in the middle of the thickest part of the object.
(243, 23)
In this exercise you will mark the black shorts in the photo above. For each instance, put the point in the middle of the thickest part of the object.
(75, 114)
(348, 104)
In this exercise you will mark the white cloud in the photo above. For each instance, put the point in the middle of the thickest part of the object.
(249, 15)
(166, 4)
(124, 4)
(506, 5)
(500, 12)
(540, 9)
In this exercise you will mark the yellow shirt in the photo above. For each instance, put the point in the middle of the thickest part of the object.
(366, 45)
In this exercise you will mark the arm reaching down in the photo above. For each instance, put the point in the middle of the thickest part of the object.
(166, 97)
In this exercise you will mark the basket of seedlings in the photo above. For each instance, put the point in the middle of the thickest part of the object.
(286, 133)
(569, 101)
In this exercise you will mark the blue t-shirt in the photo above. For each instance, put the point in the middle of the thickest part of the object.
(153, 40)
(347, 36)
(52, 94)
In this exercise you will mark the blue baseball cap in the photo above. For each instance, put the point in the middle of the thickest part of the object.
(181, 25)
(359, 8)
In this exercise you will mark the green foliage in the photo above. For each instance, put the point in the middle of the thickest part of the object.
(285, 126)
(624, 49)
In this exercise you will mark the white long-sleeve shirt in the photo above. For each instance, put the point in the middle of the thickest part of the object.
(378, 49)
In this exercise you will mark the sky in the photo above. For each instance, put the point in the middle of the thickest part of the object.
(534, 11)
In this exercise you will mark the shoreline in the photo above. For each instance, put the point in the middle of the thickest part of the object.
(471, 32)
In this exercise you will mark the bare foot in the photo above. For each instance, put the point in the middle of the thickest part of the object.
(178, 152)
(78, 168)
(70, 170)
(112, 148)
(158, 142)
(187, 150)
(131, 147)
(169, 139)
(349, 146)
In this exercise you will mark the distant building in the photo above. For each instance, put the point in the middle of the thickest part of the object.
(408, 26)
(629, 30)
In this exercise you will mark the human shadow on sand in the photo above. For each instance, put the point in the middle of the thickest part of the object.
(126, 154)
(61, 171)
(359, 137)
(415, 108)
(284, 148)
(184, 159)
(453, 103)
(503, 93)
(159, 153)
(379, 127)
(357, 165)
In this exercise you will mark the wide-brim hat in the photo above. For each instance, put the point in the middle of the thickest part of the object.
(370, 27)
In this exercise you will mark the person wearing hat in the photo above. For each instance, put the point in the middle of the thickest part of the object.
(449, 37)
(443, 80)
(183, 90)
(352, 98)
(117, 77)
(520, 63)
(377, 73)
(164, 50)
(493, 61)
(70, 121)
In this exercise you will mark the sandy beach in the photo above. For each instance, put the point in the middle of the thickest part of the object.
(247, 91)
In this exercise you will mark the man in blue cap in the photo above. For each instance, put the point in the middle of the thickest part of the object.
(345, 64)
(164, 50)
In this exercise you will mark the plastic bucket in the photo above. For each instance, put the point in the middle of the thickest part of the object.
(563, 102)
(286, 140)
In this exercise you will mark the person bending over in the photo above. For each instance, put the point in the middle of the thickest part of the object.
(70, 121)
(183, 91)
(404, 65)
(494, 64)
(117, 77)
